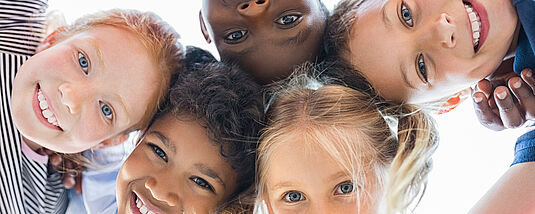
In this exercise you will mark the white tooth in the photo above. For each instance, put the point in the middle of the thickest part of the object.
(43, 104)
(138, 203)
(47, 113)
(476, 35)
(40, 96)
(475, 26)
(55, 124)
(150, 212)
(472, 16)
(52, 120)
(143, 210)
(468, 9)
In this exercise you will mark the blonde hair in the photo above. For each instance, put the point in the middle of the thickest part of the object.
(157, 36)
(335, 118)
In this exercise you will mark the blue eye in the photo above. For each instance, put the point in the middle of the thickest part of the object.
(202, 183)
(159, 152)
(235, 36)
(294, 196)
(288, 19)
(406, 15)
(421, 68)
(84, 63)
(106, 110)
(344, 188)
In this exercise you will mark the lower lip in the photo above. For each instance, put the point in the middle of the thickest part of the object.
(133, 206)
(37, 111)
(484, 18)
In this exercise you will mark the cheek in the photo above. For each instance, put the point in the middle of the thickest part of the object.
(134, 167)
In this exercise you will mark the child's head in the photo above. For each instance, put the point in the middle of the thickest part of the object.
(330, 150)
(199, 152)
(419, 51)
(102, 76)
(265, 37)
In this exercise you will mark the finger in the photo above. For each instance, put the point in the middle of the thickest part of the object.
(509, 113)
(484, 113)
(68, 181)
(485, 86)
(78, 185)
(524, 95)
(527, 76)
(55, 160)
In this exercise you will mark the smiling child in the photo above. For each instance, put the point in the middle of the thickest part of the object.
(266, 38)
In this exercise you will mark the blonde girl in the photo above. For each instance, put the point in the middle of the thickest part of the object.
(333, 149)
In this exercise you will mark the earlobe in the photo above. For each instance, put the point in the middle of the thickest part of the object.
(203, 28)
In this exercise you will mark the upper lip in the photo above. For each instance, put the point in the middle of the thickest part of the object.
(148, 204)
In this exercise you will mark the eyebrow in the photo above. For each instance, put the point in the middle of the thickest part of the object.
(93, 43)
(386, 20)
(299, 38)
(164, 140)
(210, 173)
(404, 76)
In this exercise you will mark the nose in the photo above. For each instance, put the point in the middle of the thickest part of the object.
(253, 8)
(73, 95)
(444, 31)
(161, 192)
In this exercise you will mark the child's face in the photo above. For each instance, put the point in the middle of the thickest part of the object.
(418, 51)
(83, 90)
(267, 38)
(305, 179)
(176, 169)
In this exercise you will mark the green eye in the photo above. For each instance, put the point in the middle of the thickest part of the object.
(406, 15)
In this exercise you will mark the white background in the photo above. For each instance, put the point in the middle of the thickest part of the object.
(468, 161)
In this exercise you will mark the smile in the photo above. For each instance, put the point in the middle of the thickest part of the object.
(137, 206)
(478, 22)
(44, 111)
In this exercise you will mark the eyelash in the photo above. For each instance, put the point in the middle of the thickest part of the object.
(82, 59)
(421, 68)
(158, 152)
(408, 23)
(203, 184)
(229, 39)
(292, 23)
(285, 196)
(337, 192)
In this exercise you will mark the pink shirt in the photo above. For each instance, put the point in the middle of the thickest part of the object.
(32, 154)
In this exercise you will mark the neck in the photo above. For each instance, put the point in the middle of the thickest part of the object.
(514, 43)
(34, 146)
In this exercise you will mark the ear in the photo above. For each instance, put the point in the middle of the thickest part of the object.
(203, 28)
(112, 141)
(49, 40)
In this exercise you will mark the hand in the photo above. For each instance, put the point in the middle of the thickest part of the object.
(72, 176)
(503, 110)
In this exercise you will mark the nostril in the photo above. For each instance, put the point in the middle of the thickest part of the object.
(244, 6)
(260, 2)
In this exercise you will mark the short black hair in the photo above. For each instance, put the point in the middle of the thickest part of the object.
(227, 102)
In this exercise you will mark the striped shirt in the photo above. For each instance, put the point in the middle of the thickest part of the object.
(26, 186)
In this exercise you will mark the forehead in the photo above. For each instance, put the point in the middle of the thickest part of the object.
(377, 52)
(192, 145)
(122, 68)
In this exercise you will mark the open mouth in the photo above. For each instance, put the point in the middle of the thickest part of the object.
(478, 22)
(137, 206)
(43, 110)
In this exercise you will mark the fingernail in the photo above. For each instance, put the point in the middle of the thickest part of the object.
(478, 99)
(517, 84)
(501, 95)
(528, 73)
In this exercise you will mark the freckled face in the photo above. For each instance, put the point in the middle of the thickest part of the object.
(175, 169)
(84, 90)
(419, 51)
(266, 38)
